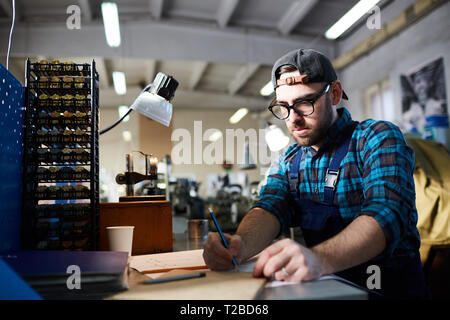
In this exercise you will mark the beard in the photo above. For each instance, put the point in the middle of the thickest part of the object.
(320, 129)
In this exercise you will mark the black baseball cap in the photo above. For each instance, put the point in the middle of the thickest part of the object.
(312, 65)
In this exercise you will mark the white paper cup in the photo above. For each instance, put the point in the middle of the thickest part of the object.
(120, 238)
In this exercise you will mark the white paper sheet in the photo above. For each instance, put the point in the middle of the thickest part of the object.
(276, 283)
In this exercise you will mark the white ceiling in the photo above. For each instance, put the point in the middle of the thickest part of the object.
(220, 51)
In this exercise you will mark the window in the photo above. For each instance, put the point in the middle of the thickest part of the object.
(379, 101)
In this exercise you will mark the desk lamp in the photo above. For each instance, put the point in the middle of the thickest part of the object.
(154, 101)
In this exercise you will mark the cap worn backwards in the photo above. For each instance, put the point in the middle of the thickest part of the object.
(312, 65)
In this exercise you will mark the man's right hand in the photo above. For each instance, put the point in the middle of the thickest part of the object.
(217, 257)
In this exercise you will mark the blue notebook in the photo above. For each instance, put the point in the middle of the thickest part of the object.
(52, 273)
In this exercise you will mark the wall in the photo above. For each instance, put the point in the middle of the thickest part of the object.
(154, 137)
(423, 41)
(113, 150)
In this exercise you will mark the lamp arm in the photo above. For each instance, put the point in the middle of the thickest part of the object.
(117, 122)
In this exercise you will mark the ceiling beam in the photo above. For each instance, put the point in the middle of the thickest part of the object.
(185, 99)
(226, 9)
(296, 12)
(7, 7)
(241, 78)
(148, 40)
(156, 8)
(197, 73)
(86, 10)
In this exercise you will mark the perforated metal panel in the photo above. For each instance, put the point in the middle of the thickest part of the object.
(11, 134)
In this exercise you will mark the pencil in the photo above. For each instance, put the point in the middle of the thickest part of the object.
(175, 268)
(224, 241)
(175, 278)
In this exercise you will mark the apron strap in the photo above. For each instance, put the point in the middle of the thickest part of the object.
(293, 173)
(332, 172)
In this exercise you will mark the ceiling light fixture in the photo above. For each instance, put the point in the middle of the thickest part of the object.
(120, 85)
(238, 115)
(267, 90)
(122, 111)
(127, 136)
(348, 19)
(110, 16)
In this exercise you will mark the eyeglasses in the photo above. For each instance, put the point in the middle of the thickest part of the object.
(301, 107)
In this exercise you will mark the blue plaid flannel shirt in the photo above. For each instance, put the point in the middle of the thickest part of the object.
(376, 179)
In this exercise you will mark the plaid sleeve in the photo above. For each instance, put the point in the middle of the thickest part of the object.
(274, 196)
(388, 164)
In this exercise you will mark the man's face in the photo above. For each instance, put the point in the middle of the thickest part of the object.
(421, 87)
(306, 130)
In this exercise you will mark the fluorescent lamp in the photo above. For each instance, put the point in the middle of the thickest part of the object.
(122, 111)
(127, 136)
(267, 89)
(111, 23)
(238, 115)
(215, 136)
(120, 85)
(347, 20)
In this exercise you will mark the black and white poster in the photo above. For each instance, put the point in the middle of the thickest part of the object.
(424, 101)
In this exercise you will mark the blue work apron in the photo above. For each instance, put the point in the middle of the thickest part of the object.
(320, 221)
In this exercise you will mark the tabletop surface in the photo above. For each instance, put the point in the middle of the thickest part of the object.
(330, 289)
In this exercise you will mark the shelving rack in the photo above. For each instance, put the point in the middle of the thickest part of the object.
(60, 206)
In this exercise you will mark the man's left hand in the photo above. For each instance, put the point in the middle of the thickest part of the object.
(289, 261)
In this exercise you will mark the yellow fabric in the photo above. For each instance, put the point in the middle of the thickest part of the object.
(432, 182)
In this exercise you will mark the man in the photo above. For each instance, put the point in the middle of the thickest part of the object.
(348, 185)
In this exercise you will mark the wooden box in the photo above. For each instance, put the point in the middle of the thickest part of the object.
(152, 221)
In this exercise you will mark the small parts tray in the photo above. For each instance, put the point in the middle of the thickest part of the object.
(62, 193)
(63, 211)
(55, 67)
(63, 103)
(70, 244)
(65, 155)
(67, 119)
(53, 227)
(65, 137)
(51, 174)
(48, 83)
